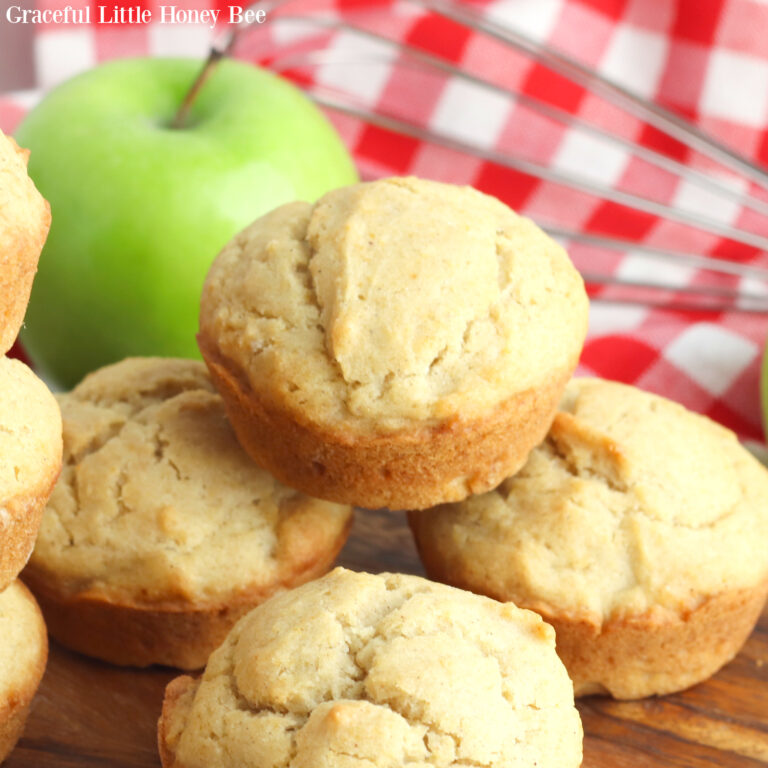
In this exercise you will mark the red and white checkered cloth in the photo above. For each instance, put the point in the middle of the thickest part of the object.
(706, 59)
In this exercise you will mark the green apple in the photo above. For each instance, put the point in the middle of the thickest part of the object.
(140, 209)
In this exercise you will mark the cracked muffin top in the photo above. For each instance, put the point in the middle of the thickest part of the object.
(157, 502)
(632, 504)
(391, 302)
(30, 435)
(357, 670)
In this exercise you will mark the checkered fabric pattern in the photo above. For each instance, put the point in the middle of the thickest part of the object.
(706, 59)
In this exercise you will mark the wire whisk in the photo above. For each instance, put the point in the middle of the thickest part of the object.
(731, 179)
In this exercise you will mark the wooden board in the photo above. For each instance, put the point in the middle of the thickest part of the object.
(91, 714)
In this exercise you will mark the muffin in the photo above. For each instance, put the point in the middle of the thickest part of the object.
(24, 221)
(161, 531)
(638, 529)
(23, 654)
(379, 347)
(30, 460)
(390, 670)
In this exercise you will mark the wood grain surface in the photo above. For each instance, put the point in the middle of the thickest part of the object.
(91, 714)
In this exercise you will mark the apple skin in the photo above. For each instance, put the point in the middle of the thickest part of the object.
(140, 209)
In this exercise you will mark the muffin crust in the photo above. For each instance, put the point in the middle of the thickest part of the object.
(23, 655)
(161, 530)
(30, 460)
(25, 218)
(387, 314)
(361, 670)
(635, 525)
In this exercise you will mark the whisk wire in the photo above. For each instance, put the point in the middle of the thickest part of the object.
(416, 57)
(649, 112)
(698, 298)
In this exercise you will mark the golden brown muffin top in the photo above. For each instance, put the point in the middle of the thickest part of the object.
(158, 503)
(358, 671)
(24, 221)
(393, 302)
(22, 632)
(632, 504)
(30, 434)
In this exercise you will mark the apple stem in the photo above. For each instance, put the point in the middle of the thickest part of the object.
(214, 57)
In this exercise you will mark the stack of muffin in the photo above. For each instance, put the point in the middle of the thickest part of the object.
(404, 344)
(407, 343)
(30, 447)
